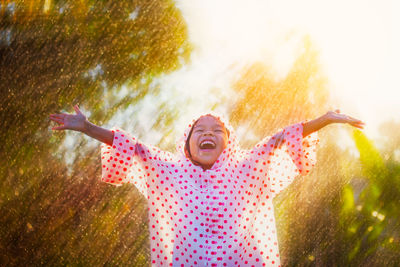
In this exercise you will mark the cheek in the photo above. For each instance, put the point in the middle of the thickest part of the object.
(224, 142)
(192, 145)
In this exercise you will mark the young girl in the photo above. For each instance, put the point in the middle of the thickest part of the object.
(210, 205)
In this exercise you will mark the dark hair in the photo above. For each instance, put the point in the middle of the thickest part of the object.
(187, 145)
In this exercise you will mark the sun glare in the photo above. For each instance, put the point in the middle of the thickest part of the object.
(357, 42)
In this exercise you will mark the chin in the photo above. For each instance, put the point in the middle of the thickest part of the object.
(205, 164)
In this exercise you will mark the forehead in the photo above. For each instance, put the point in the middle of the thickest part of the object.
(208, 121)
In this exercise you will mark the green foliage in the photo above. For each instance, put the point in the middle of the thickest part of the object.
(373, 165)
(342, 214)
(348, 201)
(51, 57)
(75, 52)
(367, 223)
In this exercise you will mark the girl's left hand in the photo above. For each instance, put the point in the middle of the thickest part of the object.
(337, 117)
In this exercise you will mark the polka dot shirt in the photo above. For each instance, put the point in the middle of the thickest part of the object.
(218, 217)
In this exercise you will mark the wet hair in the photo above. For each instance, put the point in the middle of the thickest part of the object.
(187, 145)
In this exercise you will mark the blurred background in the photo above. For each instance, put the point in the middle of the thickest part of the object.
(149, 67)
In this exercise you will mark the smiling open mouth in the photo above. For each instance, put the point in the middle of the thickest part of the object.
(207, 144)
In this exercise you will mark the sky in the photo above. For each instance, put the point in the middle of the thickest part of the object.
(357, 42)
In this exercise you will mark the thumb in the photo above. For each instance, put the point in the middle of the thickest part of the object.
(77, 110)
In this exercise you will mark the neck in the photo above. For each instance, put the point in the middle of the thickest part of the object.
(205, 167)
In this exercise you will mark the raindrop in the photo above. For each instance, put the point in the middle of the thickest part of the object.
(133, 15)
(94, 72)
(11, 8)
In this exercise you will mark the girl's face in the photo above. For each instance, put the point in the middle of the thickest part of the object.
(207, 141)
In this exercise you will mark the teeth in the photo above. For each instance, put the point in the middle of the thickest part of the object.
(207, 144)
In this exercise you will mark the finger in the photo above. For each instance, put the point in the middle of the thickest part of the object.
(276, 144)
(279, 140)
(59, 128)
(358, 125)
(279, 143)
(359, 122)
(354, 119)
(77, 110)
(275, 140)
(57, 120)
(60, 116)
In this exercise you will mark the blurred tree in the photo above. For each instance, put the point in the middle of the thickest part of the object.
(369, 217)
(266, 104)
(272, 104)
(54, 54)
(308, 211)
(343, 213)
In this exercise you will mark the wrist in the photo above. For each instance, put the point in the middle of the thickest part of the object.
(327, 119)
(86, 127)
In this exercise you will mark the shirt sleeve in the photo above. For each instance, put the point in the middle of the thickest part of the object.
(129, 161)
(275, 167)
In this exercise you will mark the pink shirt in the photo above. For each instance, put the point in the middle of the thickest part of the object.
(219, 217)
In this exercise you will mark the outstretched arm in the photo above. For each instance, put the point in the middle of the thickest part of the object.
(320, 122)
(328, 118)
(78, 122)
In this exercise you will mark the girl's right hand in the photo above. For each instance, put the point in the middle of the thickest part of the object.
(337, 117)
(74, 122)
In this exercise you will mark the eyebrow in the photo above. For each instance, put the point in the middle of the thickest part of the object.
(214, 125)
